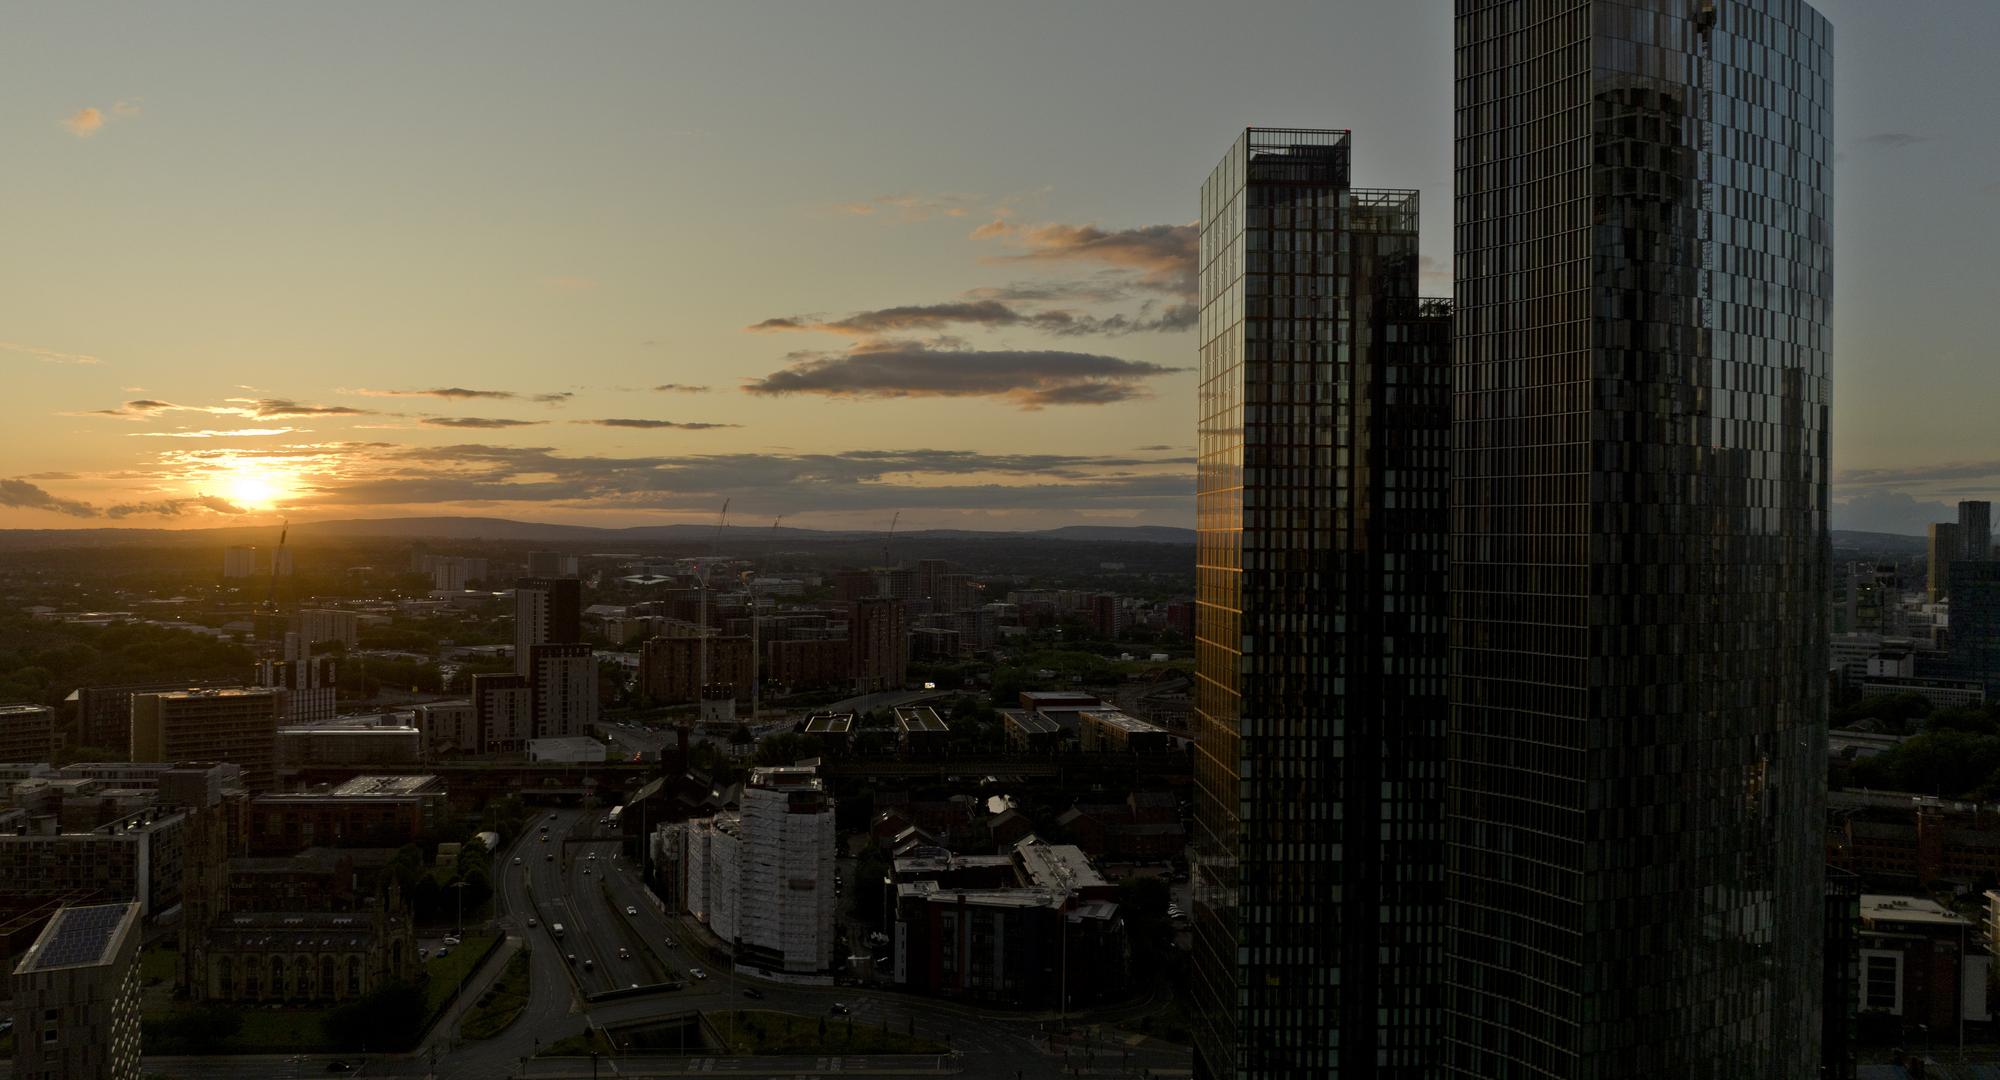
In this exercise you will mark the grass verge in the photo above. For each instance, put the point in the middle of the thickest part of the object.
(504, 1002)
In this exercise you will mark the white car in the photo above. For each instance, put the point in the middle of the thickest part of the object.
(531, 922)
(698, 973)
(517, 860)
(450, 939)
(630, 910)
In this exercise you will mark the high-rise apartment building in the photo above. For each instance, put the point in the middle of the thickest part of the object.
(503, 713)
(239, 562)
(547, 611)
(27, 733)
(1944, 549)
(762, 878)
(878, 628)
(1639, 543)
(76, 995)
(238, 725)
(1319, 654)
(1975, 530)
(564, 678)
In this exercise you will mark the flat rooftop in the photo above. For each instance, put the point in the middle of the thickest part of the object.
(1880, 907)
(1122, 721)
(22, 710)
(830, 724)
(1047, 864)
(423, 784)
(920, 718)
(198, 693)
(80, 937)
(1031, 723)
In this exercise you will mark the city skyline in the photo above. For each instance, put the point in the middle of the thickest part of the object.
(456, 269)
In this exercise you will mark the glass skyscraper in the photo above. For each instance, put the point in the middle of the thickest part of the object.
(1639, 545)
(1324, 433)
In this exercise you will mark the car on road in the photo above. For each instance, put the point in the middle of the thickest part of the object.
(552, 817)
(698, 973)
(586, 871)
(588, 964)
(670, 943)
(753, 993)
(624, 953)
(571, 958)
(441, 954)
(517, 860)
(531, 922)
(592, 857)
(630, 910)
(452, 939)
(550, 857)
(837, 1009)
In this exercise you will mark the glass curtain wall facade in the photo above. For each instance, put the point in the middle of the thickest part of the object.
(1639, 550)
(1324, 431)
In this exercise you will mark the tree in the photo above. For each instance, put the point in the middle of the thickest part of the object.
(391, 1018)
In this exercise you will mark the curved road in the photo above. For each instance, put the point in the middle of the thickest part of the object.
(591, 908)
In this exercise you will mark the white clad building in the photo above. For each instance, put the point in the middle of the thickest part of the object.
(762, 878)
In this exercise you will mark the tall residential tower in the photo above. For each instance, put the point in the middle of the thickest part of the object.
(1324, 434)
(1639, 542)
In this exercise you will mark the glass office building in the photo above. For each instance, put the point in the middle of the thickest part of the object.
(1324, 428)
(1639, 548)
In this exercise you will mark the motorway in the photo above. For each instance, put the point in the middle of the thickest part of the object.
(591, 906)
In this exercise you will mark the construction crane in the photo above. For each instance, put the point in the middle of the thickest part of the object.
(891, 538)
(277, 556)
(756, 648)
(701, 577)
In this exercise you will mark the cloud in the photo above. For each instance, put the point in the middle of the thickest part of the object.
(1030, 379)
(1896, 512)
(478, 422)
(26, 496)
(861, 479)
(250, 408)
(1157, 448)
(1162, 255)
(175, 507)
(570, 283)
(681, 388)
(48, 356)
(687, 425)
(138, 409)
(282, 408)
(460, 393)
(212, 433)
(84, 122)
(912, 206)
(1894, 140)
(987, 313)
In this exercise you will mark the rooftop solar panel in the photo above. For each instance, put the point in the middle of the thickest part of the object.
(78, 935)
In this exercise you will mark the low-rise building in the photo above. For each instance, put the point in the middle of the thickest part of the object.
(76, 997)
(1111, 731)
(921, 732)
(1031, 733)
(1917, 966)
(367, 811)
(575, 749)
(349, 744)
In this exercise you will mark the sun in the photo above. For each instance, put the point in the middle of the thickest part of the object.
(253, 489)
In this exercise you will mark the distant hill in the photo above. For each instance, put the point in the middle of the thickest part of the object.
(1879, 542)
(480, 528)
